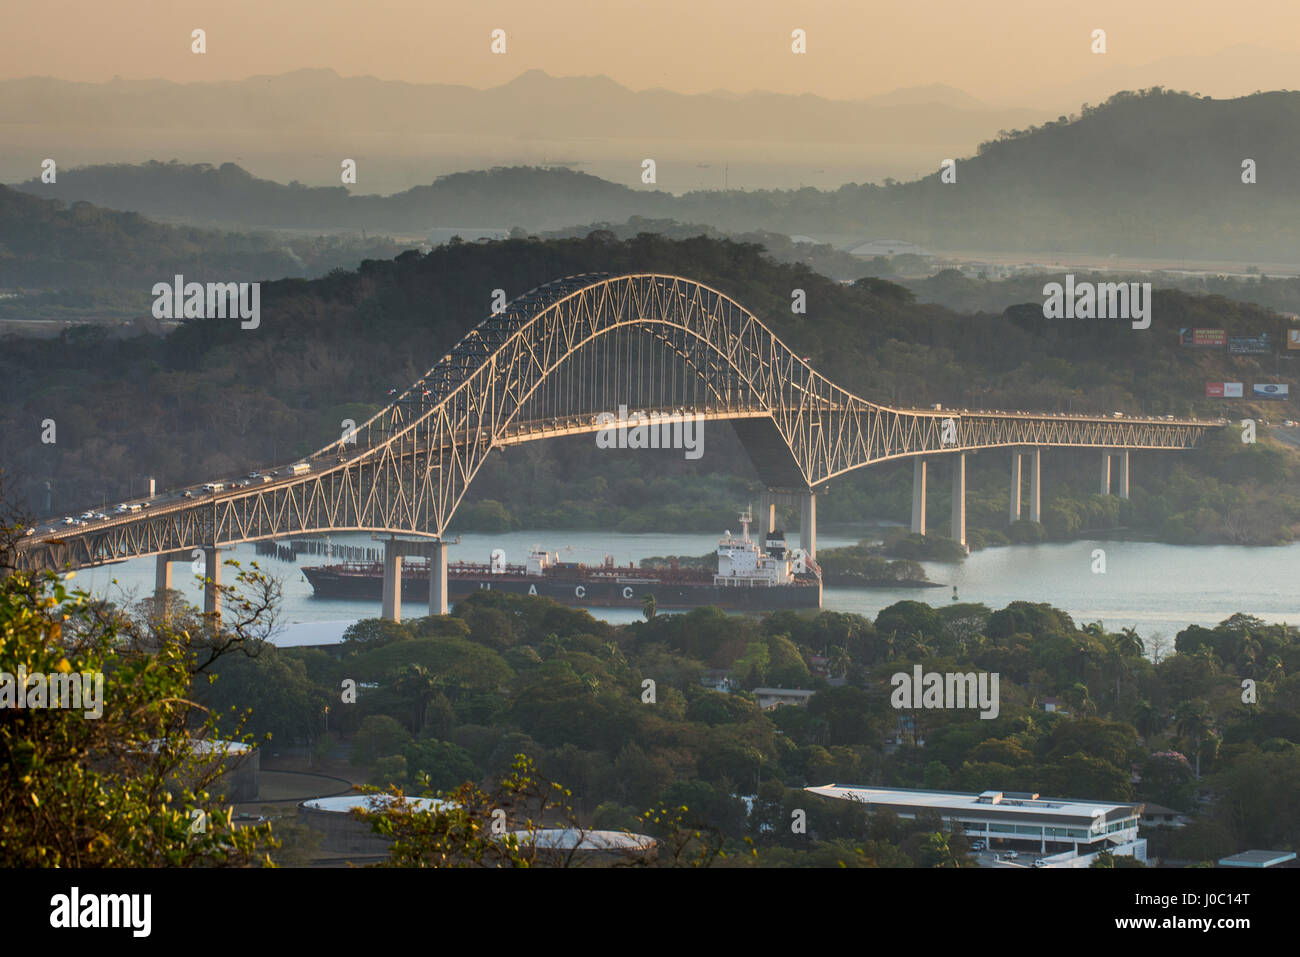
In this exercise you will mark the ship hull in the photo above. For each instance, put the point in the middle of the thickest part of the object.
(629, 592)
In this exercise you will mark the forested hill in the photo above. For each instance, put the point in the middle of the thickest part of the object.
(228, 194)
(82, 247)
(1153, 173)
(212, 399)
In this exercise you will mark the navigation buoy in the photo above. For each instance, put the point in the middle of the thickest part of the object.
(954, 592)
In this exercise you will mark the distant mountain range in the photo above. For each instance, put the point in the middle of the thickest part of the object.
(1152, 173)
(300, 125)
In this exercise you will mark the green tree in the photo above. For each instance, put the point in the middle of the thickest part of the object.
(128, 788)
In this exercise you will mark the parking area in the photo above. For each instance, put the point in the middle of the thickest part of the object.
(1006, 855)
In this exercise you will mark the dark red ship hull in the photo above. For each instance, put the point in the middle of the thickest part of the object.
(601, 588)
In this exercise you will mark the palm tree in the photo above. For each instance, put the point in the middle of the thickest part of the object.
(840, 661)
(1129, 644)
(1080, 698)
(1149, 720)
(888, 645)
(1117, 662)
(418, 683)
(1195, 722)
(648, 607)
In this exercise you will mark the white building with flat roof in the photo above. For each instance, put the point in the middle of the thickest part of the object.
(1084, 826)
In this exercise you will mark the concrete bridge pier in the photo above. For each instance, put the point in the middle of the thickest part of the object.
(766, 513)
(212, 582)
(808, 523)
(918, 495)
(959, 498)
(1016, 489)
(392, 608)
(435, 551)
(1036, 485)
(437, 579)
(1121, 473)
(162, 586)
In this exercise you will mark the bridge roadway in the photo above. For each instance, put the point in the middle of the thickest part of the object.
(559, 362)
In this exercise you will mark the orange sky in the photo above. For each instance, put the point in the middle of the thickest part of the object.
(993, 48)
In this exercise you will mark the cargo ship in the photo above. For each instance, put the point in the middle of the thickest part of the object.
(750, 577)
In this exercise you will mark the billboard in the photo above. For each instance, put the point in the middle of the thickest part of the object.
(1202, 338)
(1261, 344)
(1293, 338)
(1270, 390)
(1223, 390)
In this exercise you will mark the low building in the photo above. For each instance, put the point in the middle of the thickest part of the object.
(1157, 815)
(769, 698)
(1257, 859)
(1054, 706)
(717, 680)
(1061, 824)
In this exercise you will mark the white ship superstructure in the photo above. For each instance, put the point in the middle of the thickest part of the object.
(742, 563)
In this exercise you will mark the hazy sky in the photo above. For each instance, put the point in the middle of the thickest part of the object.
(992, 48)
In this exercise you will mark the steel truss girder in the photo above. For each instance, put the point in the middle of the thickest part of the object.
(544, 367)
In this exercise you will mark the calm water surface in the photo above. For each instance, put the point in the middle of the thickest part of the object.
(1155, 588)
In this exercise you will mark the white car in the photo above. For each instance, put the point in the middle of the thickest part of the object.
(30, 531)
(1011, 855)
(69, 520)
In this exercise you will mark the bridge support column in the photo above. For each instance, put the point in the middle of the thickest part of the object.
(438, 579)
(162, 587)
(1105, 471)
(1014, 515)
(808, 523)
(392, 609)
(1035, 485)
(959, 499)
(1123, 474)
(212, 582)
(918, 496)
(766, 511)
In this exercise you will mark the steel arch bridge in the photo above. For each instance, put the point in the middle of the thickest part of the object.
(549, 365)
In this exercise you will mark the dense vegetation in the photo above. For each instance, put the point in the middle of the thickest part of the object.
(457, 697)
(950, 288)
(212, 400)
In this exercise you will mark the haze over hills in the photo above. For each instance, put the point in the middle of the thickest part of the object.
(300, 125)
(1237, 70)
(1154, 173)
